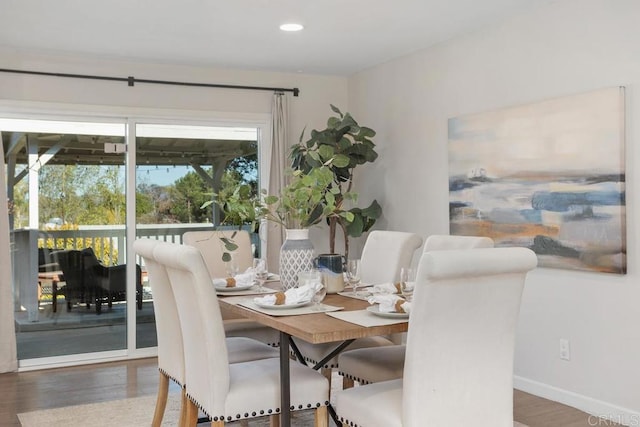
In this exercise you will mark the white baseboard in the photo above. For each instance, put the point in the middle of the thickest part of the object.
(598, 409)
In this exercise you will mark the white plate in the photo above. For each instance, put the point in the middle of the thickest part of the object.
(281, 306)
(234, 288)
(374, 309)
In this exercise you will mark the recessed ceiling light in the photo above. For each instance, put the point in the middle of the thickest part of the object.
(291, 27)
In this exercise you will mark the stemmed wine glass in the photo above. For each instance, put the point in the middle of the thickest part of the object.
(232, 267)
(407, 282)
(353, 275)
(260, 272)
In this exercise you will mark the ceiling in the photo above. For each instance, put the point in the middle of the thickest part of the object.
(341, 37)
(82, 149)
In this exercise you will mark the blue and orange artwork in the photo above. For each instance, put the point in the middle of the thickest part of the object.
(548, 176)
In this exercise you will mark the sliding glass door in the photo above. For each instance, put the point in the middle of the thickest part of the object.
(79, 190)
(66, 189)
(179, 168)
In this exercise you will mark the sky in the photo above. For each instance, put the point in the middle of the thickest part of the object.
(162, 175)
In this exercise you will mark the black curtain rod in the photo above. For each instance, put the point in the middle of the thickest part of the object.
(132, 80)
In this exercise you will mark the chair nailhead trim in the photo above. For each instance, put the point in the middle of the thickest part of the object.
(195, 402)
(171, 377)
(351, 423)
(254, 413)
(331, 366)
(351, 377)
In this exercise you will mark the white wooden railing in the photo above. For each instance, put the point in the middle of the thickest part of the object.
(108, 240)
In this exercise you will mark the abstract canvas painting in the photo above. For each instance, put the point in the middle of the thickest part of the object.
(548, 176)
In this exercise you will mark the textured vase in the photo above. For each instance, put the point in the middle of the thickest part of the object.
(296, 254)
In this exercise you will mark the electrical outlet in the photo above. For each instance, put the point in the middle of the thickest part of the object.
(565, 352)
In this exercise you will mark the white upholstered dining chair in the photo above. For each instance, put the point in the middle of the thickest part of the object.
(369, 365)
(383, 255)
(459, 358)
(169, 333)
(210, 246)
(224, 391)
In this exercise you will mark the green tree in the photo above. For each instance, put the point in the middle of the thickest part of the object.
(246, 168)
(156, 204)
(104, 198)
(61, 190)
(187, 196)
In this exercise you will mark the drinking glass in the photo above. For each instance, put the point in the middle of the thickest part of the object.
(353, 274)
(232, 267)
(260, 272)
(407, 282)
(318, 297)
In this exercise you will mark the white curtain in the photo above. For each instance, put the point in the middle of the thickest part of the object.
(8, 354)
(279, 146)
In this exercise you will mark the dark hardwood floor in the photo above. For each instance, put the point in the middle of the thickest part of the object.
(29, 391)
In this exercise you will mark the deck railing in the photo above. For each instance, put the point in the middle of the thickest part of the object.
(108, 242)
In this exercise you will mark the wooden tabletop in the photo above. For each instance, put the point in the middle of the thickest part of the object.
(317, 328)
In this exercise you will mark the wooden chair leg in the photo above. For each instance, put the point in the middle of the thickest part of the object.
(347, 383)
(217, 423)
(274, 420)
(192, 415)
(327, 374)
(321, 417)
(183, 408)
(161, 400)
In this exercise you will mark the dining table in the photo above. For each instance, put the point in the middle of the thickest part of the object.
(316, 327)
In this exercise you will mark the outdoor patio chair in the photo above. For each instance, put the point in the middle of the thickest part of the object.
(88, 281)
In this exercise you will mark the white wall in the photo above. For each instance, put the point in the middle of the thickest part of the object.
(310, 109)
(562, 48)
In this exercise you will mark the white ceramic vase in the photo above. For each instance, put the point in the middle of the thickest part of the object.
(296, 254)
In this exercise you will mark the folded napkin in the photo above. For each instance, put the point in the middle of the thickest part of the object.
(242, 279)
(297, 295)
(387, 303)
(384, 288)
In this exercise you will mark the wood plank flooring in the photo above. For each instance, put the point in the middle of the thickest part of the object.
(29, 391)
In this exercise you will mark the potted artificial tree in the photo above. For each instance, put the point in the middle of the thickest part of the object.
(341, 147)
(320, 186)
